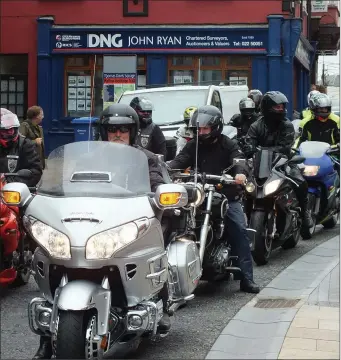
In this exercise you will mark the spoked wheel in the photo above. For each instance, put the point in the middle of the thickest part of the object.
(263, 242)
(75, 336)
(307, 233)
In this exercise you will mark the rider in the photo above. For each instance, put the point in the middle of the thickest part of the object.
(256, 95)
(274, 130)
(307, 111)
(321, 124)
(119, 123)
(184, 133)
(247, 116)
(216, 153)
(16, 151)
(150, 135)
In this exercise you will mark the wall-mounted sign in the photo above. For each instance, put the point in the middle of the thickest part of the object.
(135, 40)
(302, 54)
(319, 6)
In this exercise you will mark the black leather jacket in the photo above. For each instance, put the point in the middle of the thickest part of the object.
(28, 158)
(281, 139)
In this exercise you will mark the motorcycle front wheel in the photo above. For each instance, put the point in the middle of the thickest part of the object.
(75, 336)
(307, 233)
(263, 242)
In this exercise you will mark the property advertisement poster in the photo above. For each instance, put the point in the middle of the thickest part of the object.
(114, 85)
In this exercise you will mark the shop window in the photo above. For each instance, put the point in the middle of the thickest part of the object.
(210, 61)
(237, 77)
(178, 77)
(80, 73)
(238, 61)
(210, 77)
(141, 73)
(182, 61)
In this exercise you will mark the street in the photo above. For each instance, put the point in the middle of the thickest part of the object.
(195, 327)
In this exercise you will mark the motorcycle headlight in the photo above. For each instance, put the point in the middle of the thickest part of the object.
(311, 170)
(272, 186)
(250, 187)
(55, 243)
(103, 245)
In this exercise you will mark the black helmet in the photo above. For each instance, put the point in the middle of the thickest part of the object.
(119, 114)
(144, 109)
(270, 106)
(255, 95)
(208, 116)
(247, 107)
(321, 106)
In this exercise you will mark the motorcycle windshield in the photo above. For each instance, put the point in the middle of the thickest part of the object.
(95, 169)
(263, 163)
(313, 149)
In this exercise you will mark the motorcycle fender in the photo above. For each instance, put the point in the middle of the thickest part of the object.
(80, 295)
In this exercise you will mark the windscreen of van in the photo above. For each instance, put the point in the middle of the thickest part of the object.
(169, 106)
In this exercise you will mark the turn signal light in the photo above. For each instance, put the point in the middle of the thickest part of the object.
(11, 197)
(170, 198)
(219, 186)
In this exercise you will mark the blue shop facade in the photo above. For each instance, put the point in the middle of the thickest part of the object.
(273, 56)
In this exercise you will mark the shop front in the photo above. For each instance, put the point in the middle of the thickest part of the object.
(76, 64)
(303, 61)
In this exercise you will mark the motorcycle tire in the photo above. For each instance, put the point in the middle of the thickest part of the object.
(73, 327)
(262, 249)
(331, 223)
(307, 233)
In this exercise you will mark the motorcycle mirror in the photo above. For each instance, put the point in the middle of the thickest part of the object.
(297, 159)
(24, 173)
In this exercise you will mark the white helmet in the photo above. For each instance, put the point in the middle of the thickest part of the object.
(313, 92)
(8, 120)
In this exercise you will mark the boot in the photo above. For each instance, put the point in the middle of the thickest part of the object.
(45, 348)
(164, 324)
(307, 220)
(249, 286)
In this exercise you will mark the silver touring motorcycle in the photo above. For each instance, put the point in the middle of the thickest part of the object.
(101, 262)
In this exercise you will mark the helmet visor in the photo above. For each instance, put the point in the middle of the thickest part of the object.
(201, 120)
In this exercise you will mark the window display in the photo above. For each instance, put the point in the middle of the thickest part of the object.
(79, 90)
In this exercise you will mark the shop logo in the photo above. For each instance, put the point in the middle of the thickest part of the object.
(58, 37)
(59, 45)
(105, 41)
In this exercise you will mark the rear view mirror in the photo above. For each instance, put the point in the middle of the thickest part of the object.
(171, 196)
(297, 159)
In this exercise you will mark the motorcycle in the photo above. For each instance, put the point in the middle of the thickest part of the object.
(101, 261)
(272, 206)
(15, 256)
(321, 173)
(203, 225)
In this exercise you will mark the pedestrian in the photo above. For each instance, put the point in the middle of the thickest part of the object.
(313, 87)
(32, 129)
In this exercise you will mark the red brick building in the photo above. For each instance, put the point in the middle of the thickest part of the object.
(43, 44)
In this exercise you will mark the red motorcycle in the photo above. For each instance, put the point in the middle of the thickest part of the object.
(15, 256)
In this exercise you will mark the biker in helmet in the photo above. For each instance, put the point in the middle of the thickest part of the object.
(307, 111)
(184, 133)
(247, 116)
(150, 135)
(274, 130)
(16, 151)
(216, 153)
(256, 95)
(119, 123)
(321, 124)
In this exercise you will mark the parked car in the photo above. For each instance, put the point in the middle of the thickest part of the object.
(170, 103)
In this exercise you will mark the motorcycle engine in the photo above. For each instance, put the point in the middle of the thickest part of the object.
(217, 258)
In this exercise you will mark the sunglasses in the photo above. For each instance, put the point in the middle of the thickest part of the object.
(121, 128)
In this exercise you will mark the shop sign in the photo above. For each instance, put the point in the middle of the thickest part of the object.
(170, 39)
(319, 6)
(302, 54)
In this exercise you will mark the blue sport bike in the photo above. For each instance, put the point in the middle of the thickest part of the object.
(322, 172)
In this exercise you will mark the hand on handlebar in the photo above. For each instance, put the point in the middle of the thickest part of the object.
(240, 179)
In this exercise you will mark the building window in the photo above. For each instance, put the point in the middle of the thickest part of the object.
(207, 70)
(81, 72)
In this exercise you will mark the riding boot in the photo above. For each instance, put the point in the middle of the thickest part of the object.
(45, 348)
(307, 220)
(164, 324)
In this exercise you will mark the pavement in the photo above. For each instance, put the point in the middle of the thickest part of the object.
(296, 316)
(195, 328)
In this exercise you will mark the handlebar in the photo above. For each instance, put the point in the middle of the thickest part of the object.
(224, 179)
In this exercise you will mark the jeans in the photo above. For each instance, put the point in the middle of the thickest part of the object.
(238, 237)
